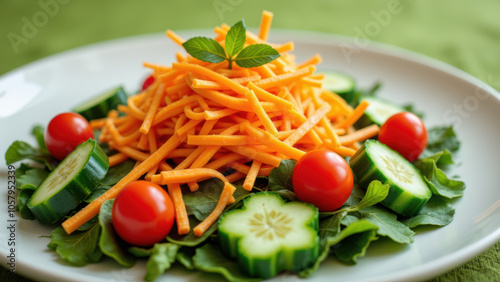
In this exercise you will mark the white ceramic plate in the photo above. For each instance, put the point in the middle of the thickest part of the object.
(36, 92)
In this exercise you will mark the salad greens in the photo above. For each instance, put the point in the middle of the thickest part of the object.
(344, 234)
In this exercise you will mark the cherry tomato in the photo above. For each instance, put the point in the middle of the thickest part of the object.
(148, 81)
(143, 213)
(65, 132)
(322, 178)
(405, 133)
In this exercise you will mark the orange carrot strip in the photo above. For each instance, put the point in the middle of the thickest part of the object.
(233, 102)
(233, 177)
(176, 38)
(220, 140)
(359, 135)
(207, 84)
(238, 88)
(285, 78)
(265, 95)
(92, 209)
(207, 127)
(181, 216)
(312, 82)
(186, 175)
(226, 195)
(117, 159)
(356, 114)
(259, 111)
(272, 142)
(265, 25)
(173, 109)
(316, 59)
(252, 153)
(214, 115)
(223, 161)
(307, 125)
(187, 126)
(286, 47)
(252, 175)
(192, 114)
(180, 153)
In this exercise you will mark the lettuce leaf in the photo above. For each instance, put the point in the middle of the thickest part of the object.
(436, 178)
(77, 248)
(209, 258)
(109, 242)
(162, 257)
(440, 139)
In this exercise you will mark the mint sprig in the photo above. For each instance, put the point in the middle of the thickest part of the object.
(208, 50)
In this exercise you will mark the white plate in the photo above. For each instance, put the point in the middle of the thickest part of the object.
(36, 92)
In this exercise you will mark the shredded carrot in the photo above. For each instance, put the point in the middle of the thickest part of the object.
(206, 118)
(265, 25)
(224, 199)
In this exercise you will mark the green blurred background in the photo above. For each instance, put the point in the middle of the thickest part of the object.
(465, 34)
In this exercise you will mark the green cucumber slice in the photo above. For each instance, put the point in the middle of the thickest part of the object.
(408, 191)
(69, 183)
(268, 235)
(340, 83)
(99, 106)
(378, 112)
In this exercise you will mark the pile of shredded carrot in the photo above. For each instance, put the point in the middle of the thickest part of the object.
(207, 118)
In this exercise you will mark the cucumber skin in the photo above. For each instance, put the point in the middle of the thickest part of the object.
(362, 164)
(269, 267)
(101, 109)
(69, 197)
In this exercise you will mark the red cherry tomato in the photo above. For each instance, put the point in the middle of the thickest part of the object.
(143, 213)
(322, 178)
(405, 133)
(65, 132)
(148, 81)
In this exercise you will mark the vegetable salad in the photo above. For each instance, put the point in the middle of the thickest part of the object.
(235, 160)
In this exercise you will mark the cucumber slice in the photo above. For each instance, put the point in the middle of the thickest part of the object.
(340, 83)
(378, 112)
(69, 183)
(99, 106)
(408, 191)
(268, 235)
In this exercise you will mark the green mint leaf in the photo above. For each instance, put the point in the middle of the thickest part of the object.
(78, 248)
(256, 55)
(437, 211)
(280, 177)
(109, 242)
(205, 49)
(235, 39)
(375, 193)
(161, 259)
(210, 259)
